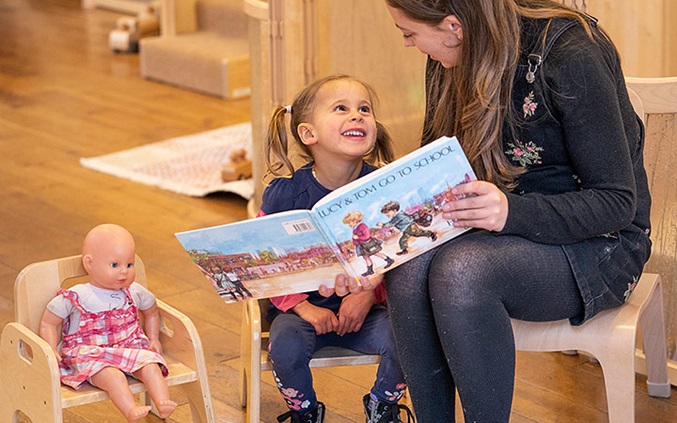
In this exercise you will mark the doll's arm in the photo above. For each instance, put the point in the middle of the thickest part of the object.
(152, 327)
(49, 330)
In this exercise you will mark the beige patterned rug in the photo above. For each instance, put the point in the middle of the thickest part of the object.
(189, 165)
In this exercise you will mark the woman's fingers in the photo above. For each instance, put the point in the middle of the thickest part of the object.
(478, 204)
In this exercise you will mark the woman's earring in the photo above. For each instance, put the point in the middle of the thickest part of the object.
(460, 37)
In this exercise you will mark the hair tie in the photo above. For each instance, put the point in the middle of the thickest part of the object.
(287, 109)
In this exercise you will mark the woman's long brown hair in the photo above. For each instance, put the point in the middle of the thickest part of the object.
(473, 100)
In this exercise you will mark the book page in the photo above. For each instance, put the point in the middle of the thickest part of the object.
(274, 255)
(413, 190)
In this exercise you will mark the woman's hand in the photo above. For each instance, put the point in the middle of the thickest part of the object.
(344, 285)
(479, 204)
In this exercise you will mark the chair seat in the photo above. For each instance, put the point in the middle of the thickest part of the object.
(330, 357)
(178, 374)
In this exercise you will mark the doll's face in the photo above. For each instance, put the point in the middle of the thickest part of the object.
(109, 258)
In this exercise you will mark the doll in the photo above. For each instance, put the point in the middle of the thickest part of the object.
(102, 339)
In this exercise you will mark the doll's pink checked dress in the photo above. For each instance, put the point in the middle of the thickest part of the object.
(111, 338)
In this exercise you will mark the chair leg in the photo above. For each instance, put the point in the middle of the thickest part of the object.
(254, 395)
(652, 325)
(200, 405)
(619, 381)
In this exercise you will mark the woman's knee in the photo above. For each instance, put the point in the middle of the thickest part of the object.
(462, 269)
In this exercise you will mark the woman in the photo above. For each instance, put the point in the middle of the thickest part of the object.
(535, 93)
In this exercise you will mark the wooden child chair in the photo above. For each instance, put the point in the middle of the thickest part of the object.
(29, 372)
(254, 356)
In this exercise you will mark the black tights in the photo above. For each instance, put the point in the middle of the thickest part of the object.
(450, 310)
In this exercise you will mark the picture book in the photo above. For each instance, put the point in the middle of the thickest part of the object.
(365, 228)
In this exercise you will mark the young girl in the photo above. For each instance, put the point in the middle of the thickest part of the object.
(102, 339)
(333, 123)
(365, 244)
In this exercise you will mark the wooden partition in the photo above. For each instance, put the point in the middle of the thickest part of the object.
(645, 32)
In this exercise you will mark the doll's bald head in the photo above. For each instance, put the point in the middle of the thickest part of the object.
(108, 254)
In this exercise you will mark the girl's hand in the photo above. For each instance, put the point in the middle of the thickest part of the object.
(354, 309)
(344, 285)
(322, 319)
(480, 204)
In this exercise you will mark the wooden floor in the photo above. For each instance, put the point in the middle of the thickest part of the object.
(63, 96)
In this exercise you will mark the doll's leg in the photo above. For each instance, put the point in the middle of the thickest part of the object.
(151, 376)
(114, 382)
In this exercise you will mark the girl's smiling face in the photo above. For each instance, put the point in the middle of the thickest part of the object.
(442, 42)
(343, 122)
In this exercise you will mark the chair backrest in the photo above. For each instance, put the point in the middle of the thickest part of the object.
(38, 283)
(659, 101)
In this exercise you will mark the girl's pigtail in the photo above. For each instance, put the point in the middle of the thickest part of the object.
(382, 153)
(277, 146)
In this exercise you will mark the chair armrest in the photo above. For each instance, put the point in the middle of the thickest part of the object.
(179, 338)
(29, 364)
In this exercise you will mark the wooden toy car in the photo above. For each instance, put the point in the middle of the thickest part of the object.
(129, 30)
(239, 167)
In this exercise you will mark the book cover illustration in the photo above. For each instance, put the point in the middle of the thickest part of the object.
(279, 254)
(364, 228)
(395, 213)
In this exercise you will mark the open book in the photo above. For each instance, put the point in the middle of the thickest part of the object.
(364, 228)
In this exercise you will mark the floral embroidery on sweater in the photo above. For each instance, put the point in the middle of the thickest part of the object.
(631, 287)
(529, 106)
(525, 154)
